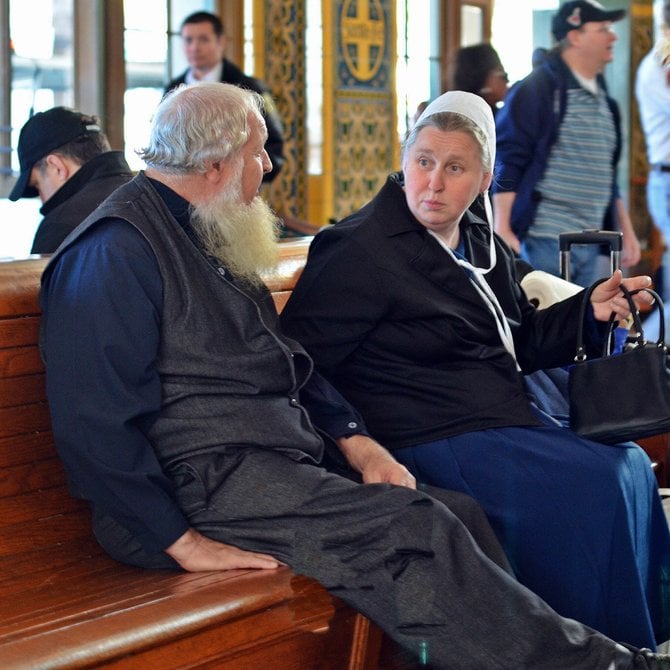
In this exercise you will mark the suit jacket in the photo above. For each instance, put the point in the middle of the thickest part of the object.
(399, 328)
(231, 74)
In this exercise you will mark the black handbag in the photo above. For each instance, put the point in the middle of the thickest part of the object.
(622, 396)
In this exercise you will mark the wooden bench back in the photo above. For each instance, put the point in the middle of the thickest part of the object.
(65, 604)
(32, 481)
(31, 476)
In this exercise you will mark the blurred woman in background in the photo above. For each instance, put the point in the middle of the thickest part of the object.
(477, 69)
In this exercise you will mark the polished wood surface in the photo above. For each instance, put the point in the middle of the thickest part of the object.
(65, 604)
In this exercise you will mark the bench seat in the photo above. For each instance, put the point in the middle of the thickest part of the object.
(65, 604)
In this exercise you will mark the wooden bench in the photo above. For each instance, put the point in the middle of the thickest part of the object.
(65, 604)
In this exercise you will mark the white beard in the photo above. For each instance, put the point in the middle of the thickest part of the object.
(243, 237)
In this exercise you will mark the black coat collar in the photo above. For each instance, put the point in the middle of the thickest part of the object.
(390, 210)
(102, 166)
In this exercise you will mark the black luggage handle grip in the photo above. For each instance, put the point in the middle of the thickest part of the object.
(612, 238)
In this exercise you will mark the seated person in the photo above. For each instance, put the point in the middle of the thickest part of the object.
(66, 160)
(198, 432)
(412, 309)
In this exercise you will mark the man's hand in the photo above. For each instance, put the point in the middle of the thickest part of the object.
(196, 553)
(502, 217)
(631, 252)
(511, 240)
(375, 463)
(607, 298)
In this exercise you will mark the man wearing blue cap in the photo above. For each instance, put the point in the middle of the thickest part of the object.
(559, 142)
(67, 161)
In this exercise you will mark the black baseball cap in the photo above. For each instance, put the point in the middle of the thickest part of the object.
(573, 15)
(40, 135)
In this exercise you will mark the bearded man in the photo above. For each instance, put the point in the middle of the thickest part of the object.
(199, 434)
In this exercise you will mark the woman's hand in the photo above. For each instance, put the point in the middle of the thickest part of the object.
(607, 297)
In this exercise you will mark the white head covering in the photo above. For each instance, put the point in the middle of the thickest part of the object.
(477, 110)
(470, 105)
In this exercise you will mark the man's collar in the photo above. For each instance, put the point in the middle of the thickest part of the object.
(212, 75)
(73, 185)
(179, 207)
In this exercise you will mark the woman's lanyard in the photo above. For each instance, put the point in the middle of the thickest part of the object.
(476, 276)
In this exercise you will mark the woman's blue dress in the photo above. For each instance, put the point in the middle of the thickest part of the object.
(575, 518)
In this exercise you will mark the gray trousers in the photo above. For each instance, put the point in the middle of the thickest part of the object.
(401, 557)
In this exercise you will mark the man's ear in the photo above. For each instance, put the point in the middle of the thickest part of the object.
(218, 171)
(61, 168)
(572, 37)
(486, 182)
(214, 172)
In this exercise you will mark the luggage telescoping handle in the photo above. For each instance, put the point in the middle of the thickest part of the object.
(613, 239)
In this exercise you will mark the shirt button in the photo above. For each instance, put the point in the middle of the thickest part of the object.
(222, 271)
(352, 424)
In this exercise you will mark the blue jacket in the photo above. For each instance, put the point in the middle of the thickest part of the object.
(527, 127)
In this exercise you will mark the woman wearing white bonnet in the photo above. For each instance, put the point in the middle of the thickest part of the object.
(412, 309)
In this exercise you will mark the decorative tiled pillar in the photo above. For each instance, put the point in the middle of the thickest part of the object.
(642, 29)
(283, 70)
(361, 144)
(359, 102)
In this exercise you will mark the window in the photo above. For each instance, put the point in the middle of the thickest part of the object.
(314, 85)
(41, 36)
(514, 35)
(249, 55)
(153, 55)
(145, 48)
(416, 48)
(472, 25)
(41, 54)
(41, 47)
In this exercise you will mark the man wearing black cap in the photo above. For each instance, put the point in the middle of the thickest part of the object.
(559, 141)
(67, 161)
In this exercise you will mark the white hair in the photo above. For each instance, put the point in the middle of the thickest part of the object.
(198, 124)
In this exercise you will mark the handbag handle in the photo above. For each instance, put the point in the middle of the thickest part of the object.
(638, 338)
(658, 302)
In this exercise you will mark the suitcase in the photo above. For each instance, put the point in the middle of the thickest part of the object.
(614, 240)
